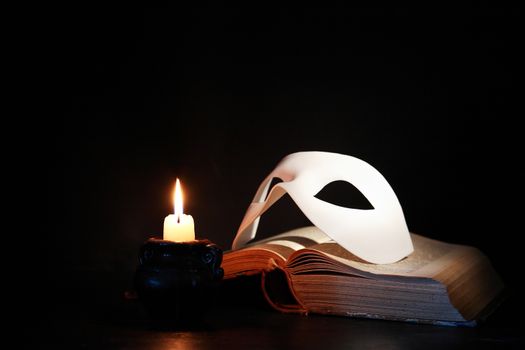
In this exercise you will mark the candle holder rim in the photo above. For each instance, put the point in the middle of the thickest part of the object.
(166, 242)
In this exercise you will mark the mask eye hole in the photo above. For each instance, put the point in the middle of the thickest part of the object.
(274, 182)
(344, 194)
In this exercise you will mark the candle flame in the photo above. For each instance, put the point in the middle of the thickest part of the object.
(177, 201)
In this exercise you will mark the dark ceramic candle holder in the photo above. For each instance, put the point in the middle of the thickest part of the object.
(177, 281)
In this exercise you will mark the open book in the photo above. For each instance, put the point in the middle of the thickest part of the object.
(439, 283)
(357, 262)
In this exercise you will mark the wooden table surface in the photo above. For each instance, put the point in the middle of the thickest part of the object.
(106, 320)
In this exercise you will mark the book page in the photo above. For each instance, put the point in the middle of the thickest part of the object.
(289, 242)
(267, 254)
(426, 252)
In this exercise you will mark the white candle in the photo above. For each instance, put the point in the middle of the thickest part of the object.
(178, 227)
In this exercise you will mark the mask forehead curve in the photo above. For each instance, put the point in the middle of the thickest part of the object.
(309, 172)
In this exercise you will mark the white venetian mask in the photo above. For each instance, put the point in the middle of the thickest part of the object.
(379, 235)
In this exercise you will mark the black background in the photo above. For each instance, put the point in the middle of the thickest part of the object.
(217, 95)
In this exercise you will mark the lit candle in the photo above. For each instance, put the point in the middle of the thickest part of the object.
(178, 227)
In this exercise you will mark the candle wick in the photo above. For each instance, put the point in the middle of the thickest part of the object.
(178, 219)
